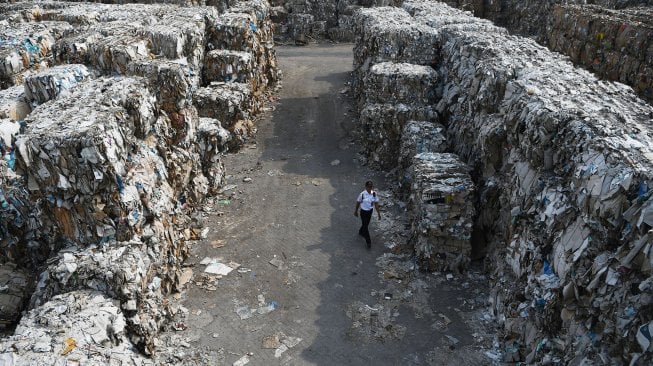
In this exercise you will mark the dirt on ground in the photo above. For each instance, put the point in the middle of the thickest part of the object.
(290, 280)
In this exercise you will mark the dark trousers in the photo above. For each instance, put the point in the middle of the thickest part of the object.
(366, 216)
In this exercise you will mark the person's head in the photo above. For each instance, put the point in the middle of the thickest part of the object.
(369, 185)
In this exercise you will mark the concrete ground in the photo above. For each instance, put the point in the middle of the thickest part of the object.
(308, 290)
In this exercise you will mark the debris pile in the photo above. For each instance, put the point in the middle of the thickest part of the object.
(107, 148)
(442, 206)
(232, 104)
(608, 42)
(405, 83)
(562, 163)
(83, 326)
(226, 65)
(26, 46)
(382, 125)
(389, 95)
(608, 37)
(420, 137)
(49, 83)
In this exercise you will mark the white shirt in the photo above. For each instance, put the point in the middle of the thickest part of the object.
(367, 200)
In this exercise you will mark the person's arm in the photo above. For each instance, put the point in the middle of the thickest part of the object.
(358, 204)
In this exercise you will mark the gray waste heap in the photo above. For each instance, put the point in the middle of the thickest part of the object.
(14, 104)
(609, 37)
(616, 45)
(26, 46)
(304, 21)
(392, 79)
(85, 326)
(382, 126)
(105, 156)
(48, 84)
(441, 202)
(562, 163)
(232, 104)
(389, 95)
(417, 137)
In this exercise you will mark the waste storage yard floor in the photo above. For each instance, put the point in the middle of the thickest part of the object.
(301, 287)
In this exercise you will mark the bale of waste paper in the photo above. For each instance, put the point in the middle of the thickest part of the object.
(405, 83)
(66, 328)
(382, 126)
(417, 137)
(230, 103)
(14, 105)
(80, 153)
(213, 142)
(46, 85)
(26, 46)
(568, 182)
(390, 34)
(441, 199)
(229, 66)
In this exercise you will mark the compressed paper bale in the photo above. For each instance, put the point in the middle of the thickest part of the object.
(137, 274)
(441, 199)
(226, 102)
(417, 137)
(420, 137)
(300, 26)
(260, 9)
(229, 66)
(177, 37)
(13, 103)
(15, 286)
(213, 142)
(608, 42)
(390, 82)
(23, 46)
(80, 150)
(174, 81)
(74, 49)
(381, 128)
(74, 14)
(436, 16)
(46, 85)
(390, 34)
(65, 327)
(118, 269)
(114, 53)
(234, 31)
(17, 212)
(245, 32)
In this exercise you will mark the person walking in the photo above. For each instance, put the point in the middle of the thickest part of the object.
(367, 201)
